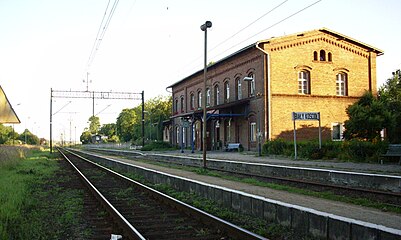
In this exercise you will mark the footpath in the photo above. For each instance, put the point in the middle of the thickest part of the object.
(370, 215)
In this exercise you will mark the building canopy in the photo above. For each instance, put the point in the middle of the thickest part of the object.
(7, 113)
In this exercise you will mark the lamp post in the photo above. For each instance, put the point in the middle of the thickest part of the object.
(259, 133)
(204, 27)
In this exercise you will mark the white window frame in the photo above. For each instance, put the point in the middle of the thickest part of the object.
(253, 132)
(217, 97)
(341, 129)
(192, 101)
(200, 99)
(303, 82)
(239, 89)
(208, 97)
(227, 91)
(341, 84)
(252, 87)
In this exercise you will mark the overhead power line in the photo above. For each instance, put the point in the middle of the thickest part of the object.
(242, 29)
(273, 25)
(104, 24)
(250, 24)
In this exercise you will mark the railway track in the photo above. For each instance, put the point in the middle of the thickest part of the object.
(144, 213)
(392, 199)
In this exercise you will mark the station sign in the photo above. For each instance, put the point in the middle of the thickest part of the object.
(305, 116)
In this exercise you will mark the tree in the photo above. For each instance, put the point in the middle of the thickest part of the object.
(86, 137)
(29, 138)
(7, 134)
(367, 118)
(109, 130)
(390, 95)
(125, 124)
(94, 124)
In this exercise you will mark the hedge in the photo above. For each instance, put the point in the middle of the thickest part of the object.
(353, 150)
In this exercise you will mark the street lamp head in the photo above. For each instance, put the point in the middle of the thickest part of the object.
(208, 24)
(248, 79)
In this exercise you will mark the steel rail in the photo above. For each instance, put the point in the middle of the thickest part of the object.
(306, 182)
(130, 232)
(206, 218)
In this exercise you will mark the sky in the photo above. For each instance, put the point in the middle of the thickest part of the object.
(150, 44)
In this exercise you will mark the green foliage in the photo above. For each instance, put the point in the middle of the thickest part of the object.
(353, 150)
(86, 137)
(94, 124)
(29, 138)
(125, 123)
(362, 151)
(367, 118)
(390, 95)
(7, 134)
(129, 121)
(160, 145)
(109, 130)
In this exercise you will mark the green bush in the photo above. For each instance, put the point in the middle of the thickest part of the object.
(160, 145)
(353, 150)
(276, 147)
(362, 151)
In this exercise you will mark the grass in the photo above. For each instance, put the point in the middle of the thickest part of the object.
(324, 195)
(33, 205)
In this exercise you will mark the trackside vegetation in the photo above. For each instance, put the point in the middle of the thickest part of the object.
(353, 150)
(32, 204)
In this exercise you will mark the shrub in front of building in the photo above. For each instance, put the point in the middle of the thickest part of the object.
(352, 150)
(158, 146)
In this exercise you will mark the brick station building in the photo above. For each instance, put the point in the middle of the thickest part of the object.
(253, 92)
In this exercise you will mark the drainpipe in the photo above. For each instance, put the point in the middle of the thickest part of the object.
(269, 133)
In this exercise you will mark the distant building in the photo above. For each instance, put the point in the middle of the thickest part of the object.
(254, 90)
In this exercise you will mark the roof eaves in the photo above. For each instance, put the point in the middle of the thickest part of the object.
(218, 62)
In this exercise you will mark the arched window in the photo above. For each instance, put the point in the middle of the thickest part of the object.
(192, 101)
(329, 57)
(304, 82)
(207, 97)
(226, 92)
(176, 106)
(182, 104)
(341, 84)
(177, 132)
(315, 56)
(216, 95)
(200, 99)
(322, 55)
(238, 89)
(251, 85)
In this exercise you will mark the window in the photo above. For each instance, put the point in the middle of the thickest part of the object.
(226, 92)
(253, 132)
(199, 99)
(176, 106)
(329, 57)
(177, 130)
(304, 82)
(192, 103)
(182, 104)
(322, 55)
(207, 97)
(315, 56)
(238, 89)
(337, 131)
(341, 84)
(183, 136)
(216, 95)
(251, 85)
